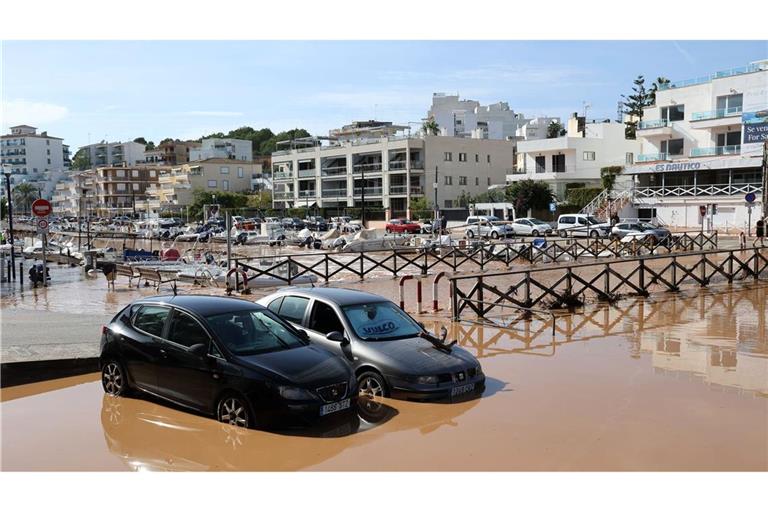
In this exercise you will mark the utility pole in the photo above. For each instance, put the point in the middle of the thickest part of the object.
(362, 213)
(7, 173)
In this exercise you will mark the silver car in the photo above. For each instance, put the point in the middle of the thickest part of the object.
(390, 353)
(641, 230)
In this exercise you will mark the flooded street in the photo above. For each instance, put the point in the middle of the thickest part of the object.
(672, 382)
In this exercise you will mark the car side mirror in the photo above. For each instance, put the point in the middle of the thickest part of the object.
(303, 334)
(199, 349)
(336, 336)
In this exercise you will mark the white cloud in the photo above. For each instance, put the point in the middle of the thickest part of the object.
(684, 53)
(31, 112)
(212, 113)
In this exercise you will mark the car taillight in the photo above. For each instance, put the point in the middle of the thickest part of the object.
(104, 329)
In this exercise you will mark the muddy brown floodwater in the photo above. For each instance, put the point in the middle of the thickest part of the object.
(672, 382)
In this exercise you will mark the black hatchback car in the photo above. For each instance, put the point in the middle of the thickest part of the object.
(225, 357)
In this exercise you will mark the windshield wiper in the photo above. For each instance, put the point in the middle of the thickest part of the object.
(437, 342)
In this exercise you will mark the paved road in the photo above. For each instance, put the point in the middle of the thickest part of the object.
(29, 336)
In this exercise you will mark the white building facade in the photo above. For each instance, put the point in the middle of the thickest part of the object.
(575, 159)
(702, 145)
(228, 149)
(105, 154)
(467, 118)
(394, 169)
(34, 158)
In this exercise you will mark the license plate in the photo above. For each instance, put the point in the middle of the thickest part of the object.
(460, 390)
(334, 407)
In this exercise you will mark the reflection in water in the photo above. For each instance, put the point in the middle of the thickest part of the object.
(721, 336)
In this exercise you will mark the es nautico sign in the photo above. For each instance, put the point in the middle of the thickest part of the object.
(682, 166)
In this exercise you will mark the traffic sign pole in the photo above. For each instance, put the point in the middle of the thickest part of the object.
(42, 208)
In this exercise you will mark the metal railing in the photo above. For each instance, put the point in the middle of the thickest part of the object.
(359, 168)
(398, 189)
(334, 171)
(284, 195)
(656, 123)
(417, 191)
(339, 192)
(484, 293)
(716, 114)
(307, 173)
(652, 157)
(373, 191)
(698, 190)
(282, 175)
(708, 78)
(307, 193)
(717, 151)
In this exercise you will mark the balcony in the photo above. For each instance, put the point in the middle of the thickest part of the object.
(417, 190)
(398, 190)
(284, 195)
(335, 192)
(360, 168)
(369, 191)
(334, 171)
(652, 157)
(282, 175)
(736, 189)
(308, 193)
(655, 127)
(708, 78)
(397, 165)
(307, 173)
(716, 114)
(717, 151)
(656, 123)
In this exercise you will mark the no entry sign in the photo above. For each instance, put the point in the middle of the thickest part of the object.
(41, 207)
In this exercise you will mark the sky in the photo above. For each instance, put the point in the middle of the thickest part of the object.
(119, 90)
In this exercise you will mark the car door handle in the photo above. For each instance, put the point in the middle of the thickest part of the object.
(163, 352)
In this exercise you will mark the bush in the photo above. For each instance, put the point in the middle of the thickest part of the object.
(580, 197)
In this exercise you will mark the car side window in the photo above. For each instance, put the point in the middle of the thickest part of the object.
(151, 319)
(274, 306)
(582, 221)
(566, 220)
(186, 331)
(324, 319)
(293, 308)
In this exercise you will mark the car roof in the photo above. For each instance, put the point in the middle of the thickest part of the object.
(340, 296)
(203, 305)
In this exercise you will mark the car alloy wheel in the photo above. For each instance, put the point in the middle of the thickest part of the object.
(234, 411)
(563, 234)
(388, 230)
(371, 385)
(535, 232)
(112, 379)
(470, 234)
(494, 234)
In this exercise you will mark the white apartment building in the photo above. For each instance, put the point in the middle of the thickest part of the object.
(228, 149)
(34, 158)
(535, 128)
(575, 158)
(702, 144)
(68, 195)
(394, 168)
(105, 154)
(467, 118)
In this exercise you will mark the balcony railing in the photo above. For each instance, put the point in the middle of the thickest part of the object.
(652, 157)
(656, 123)
(334, 171)
(717, 151)
(307, 173)
(369, 191)
(397, 165)
(417, 191)
(716, 114)
(284, 195)
(398, 190)
(308, 193)
(282, 175)
(359, 168)
(736, 189)
(334, 192)
(708, 78)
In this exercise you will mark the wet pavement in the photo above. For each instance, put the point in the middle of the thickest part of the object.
(672, 382)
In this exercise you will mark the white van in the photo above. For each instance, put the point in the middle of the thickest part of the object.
(580, 224)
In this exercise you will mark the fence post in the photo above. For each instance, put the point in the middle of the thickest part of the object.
(730, 267)
(703, 263)
(453, 252)
(426, 263)
(482, 257)
(607, 281)
(394, 262)
(528, 289)
(755, 251)
(641, 276)
(454, 300)
(568, 282)
(480, 296)
(289, 270)
(362, 267)
(326, 267)
(674, 273)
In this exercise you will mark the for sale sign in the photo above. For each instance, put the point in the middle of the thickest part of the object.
(41, 207)
(755, 126)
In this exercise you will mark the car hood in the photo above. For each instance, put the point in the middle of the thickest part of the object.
(308, 366)
(417, 356)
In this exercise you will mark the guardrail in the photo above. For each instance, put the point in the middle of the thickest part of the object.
(717, 151)
(716, 114)
(524, 289)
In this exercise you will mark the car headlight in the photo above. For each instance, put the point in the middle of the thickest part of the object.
(427, 379)
(293, 393)
(478, 370)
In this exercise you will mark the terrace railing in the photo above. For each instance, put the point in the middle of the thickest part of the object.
(716, 114)
(699, 190)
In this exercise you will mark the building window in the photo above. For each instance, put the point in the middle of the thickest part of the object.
(729, 104)
(135, 186)
(672, 147)
(225, 184)
(541, 162)
(477, 181)
(239, 172)
(120, 187)
(151, 174)
(49, 161)
(462, 157)
(211, 183)
(729, 139)
(558, 163)
(120, 173)
(488, 158)
(449, 203)
(224, 170)
(48, 151)
(462, 180)
(629, 158)
(448, 156)
(589, 155)
(449, 180)
(673, 113)
(477, 158)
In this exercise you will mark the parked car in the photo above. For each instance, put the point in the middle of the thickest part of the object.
(316, 223)
(293, 223)
(532, 226)
(580, 224)
(402, 226)
(391, 353)
(426, 226)
(225, 357)
(488, 226)
(641, 230)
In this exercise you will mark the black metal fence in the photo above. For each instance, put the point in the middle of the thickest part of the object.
(525, 289)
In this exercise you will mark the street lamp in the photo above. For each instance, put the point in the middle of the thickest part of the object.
(7, 171)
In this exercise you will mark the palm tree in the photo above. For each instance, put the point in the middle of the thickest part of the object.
(554, 130)
(655, 87)
(430, 127)
(23, 195)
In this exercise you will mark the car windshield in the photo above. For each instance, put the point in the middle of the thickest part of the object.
(539, 221)
(646, 225)
(247, 333)
(380, 321)
(592, 220)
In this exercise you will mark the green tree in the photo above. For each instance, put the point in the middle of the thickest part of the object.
(580, 197)
(140, 140)
(430, 127)
(268, 147)
(463, 199)
(81, 160)
(261, 200)
(529, 195)
(608, 175)
(554, 130)
(23, 195)
(655, 87)
(225, 200)
(496, 195)
(633, 106)
(421, 208)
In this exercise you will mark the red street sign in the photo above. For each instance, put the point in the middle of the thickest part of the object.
(42, 207)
